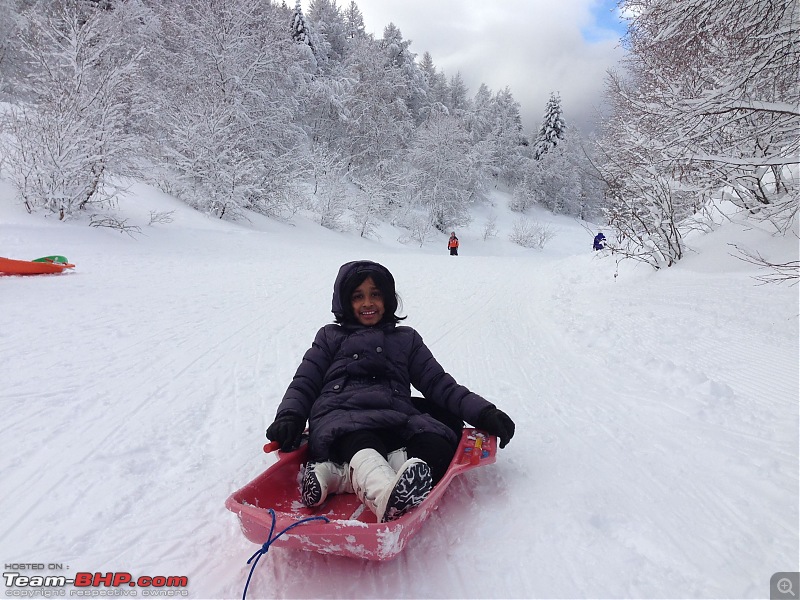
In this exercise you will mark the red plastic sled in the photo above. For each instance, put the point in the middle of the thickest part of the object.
(352, 529)
(40, 266)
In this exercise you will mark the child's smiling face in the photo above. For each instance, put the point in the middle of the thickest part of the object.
(367, 302)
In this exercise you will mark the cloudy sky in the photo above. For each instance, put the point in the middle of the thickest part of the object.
(534, 47)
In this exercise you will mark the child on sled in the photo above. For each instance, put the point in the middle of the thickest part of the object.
(367, 435)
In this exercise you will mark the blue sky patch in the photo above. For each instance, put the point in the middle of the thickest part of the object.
(607, 23)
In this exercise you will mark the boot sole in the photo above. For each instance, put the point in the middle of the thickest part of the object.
(311, 489)
(409, 491)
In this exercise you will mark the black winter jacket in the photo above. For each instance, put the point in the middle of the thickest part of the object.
(355, 377)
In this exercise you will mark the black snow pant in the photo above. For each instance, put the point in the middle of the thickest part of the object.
(435, 450)
(453, 251)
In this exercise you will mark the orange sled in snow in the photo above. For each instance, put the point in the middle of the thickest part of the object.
(41, 266)
(342, 525)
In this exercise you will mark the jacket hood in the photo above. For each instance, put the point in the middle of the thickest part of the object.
(347, 272)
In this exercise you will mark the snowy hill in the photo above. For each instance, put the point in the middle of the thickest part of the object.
(656, 452)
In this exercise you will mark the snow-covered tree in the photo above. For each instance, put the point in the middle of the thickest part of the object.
(376, 121)
(509, 144)
(718, 81)
(71, 135)
(445, 182)
(459, 102)
(382, 191)
(300, 31)
(437, 89)
(530, 234)
(707, 106)
(551, 131)
(11, 59)
(328, 198)
(298, 28)
(330, 29)
(427, 67)
(490, 226)
(645, 199)
(228, 142)
(564, 180)
(479, 120)
(400, 58)
(495, 128)
(394, 45)
(647, 210)
(354, 21)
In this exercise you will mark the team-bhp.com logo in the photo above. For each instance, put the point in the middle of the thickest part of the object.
(115, 584)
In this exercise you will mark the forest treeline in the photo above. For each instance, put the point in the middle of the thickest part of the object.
(235, 106)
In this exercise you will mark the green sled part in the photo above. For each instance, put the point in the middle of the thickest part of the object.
(52, 259)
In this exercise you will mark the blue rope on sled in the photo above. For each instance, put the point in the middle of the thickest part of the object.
(263, 550)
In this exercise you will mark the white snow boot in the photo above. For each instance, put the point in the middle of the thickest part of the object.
(396, 458)
(388, 494)
(323, 478)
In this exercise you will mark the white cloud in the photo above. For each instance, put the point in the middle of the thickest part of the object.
(532, 46)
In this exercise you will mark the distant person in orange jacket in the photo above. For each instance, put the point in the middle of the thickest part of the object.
(452, 244)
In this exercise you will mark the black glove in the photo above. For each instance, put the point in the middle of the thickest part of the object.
(496, 422)
(286, 430)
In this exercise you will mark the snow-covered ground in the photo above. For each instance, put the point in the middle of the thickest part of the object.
(656, 452)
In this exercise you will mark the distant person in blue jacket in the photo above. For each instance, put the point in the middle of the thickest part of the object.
(599, 241)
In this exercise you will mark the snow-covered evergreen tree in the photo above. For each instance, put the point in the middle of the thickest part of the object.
(400, 58)
(478, 119)
(458, 94)
(301, 32)
(509, 142)
(551, 131)
(437, 91)
(298, 28)
(427, 67)
(330, 31)
(354, 21)
(563, 181)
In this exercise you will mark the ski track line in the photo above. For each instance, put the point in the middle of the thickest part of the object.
(539, 358)
(534, 349)
(232, 339)
(731, 513)
(247, 459)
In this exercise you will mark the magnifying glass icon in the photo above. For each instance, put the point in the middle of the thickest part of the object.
(785, 587)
